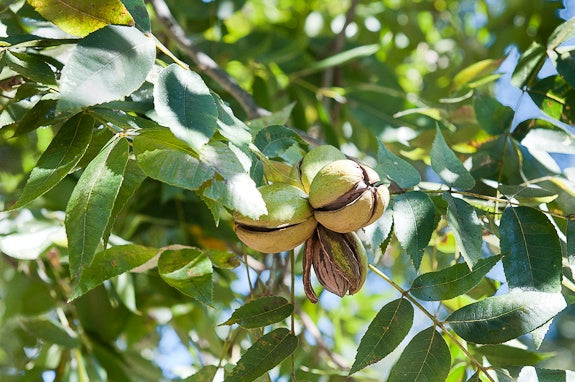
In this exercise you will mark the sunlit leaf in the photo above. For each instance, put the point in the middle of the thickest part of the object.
(550, 140)
(475, 71)
(562, 33)
(230, 126)
(223, 259)
(452, 281)
(529, 65)
(261, 312)
(532, 374)
(91, 203)
(185, 105)
(501, 318)
(413, 223)
(105, 66)
(267, 352)
(190, 271)
(400, 171)
(30, 66)
(167, 159)
(63, 153)
(81, 17)
(446, 164)
(426, 358)
(570, 234)
(532, 248)
(110, 263)
(384, 334)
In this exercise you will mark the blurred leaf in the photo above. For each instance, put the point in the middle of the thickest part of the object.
(273, 141)
(63, 153)
(504, 355)
(529, 65)
(448, 166)
(280, 118)
(527, 195)
(105, 66)
(110, 263)
(562, 33)
(467, 228)
(426, 358)
(532, 248)
(205, 374)
(452, 281)
(474, 71)
(185, 105)
(49, 332)
(491, 115)
(138, 10)
(413, 218)
(549, 140)
(501, 318)
(165, 158)
(338, 59)
(384, 334)
(267, 352)
(400, 171)
(91, 203)
(81, 17)
(261, 312)
(41, 114)
(30, 66)
(190, 271)
(223, 259)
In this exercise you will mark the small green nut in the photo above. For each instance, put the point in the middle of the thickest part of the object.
(313, 161)
(288, 223)
(347, 196)
(339, 261)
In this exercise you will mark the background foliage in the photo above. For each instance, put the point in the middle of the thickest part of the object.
(129, 135)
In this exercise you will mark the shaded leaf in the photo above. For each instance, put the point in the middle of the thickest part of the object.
(491, 115)
(41, 114)
(63, 153)
(206, 374)
(339, 59)
(223, 259)
(446, 164)
(230, 126)
(185, 105)
(280, 118)
(110, 263)
(426, 358)
(267, 352)
(190, 271)
(107, 65)
(138, 10)
(570, 234)
(380, 230)
(501, 318)
(81, 17)
(505, 355)
(533, 250)
(466, 227)
(413, 223)
(261, 312)
(529, 65)
(452, 281)
(400, 171)
(31, 66)
(384, 334)
(49, 332)
(165, 158)
(274, 141)
(90, 206)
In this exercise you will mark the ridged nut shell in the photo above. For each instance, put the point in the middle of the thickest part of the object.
(314, 161)
(333, 181)
(277, 240)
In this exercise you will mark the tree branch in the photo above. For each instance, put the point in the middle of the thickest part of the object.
(205, 63)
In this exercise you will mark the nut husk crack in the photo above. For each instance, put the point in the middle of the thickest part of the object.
(346, 198)
(264, 229)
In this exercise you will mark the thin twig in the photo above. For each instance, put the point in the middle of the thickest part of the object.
(204, 62)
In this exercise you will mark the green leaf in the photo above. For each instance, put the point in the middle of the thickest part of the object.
(230, 126)
(274, 141)
(63, 153)
(267, 352)
(339, 59)
(223, 259)
(565, 64)
(41, 114)
(426, 358)
(562, 33)
(413, 222)
(532, 248)
(138, 10)
(165, 158)
(380, 230)
(237, 191)
(185, 105)
(49, 332)
(475, 71)
(107, 65)
(570, 234)
(81, 17)
(501, 318)
(532, 374)
(206, 374)
(452, 281)
(110, 263)
(550, 140)
(261, 312)
(491, 115)
(188, 270)
(446, 164)
(31, 66)
(280, 118)
(466, 227)
(505, 355)
(384, 334)
(529, 65)
(393, 167)
(90, 206)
